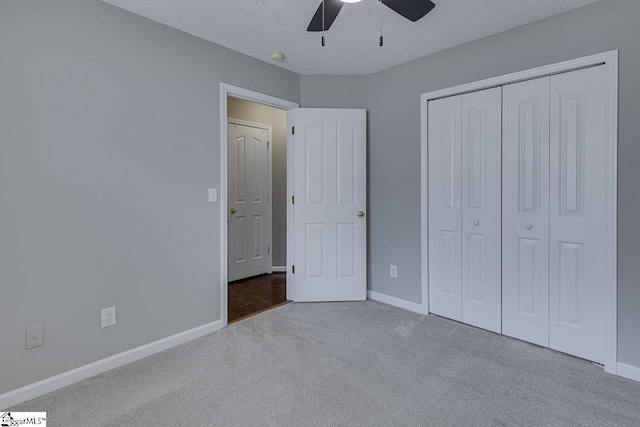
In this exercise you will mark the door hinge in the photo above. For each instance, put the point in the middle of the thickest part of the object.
(268, 249)
(268, 197)
(268, 144)
(293, 269)
(293, 130)
(293, 200)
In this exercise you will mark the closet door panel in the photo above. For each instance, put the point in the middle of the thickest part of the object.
(445, 200)
(525, 211)
(579, 183)
(481, 208)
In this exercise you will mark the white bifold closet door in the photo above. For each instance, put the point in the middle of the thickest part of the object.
(555, 182)
(481, 208)
(445, 207)
(579, 182)
(525, 211)
(464, 208)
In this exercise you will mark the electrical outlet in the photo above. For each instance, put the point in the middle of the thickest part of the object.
(35, 337)
(393, 271)
(108, 317)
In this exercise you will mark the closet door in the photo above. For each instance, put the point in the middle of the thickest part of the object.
(481, 208)
(525, 211)
(579, 182)
(445, 200)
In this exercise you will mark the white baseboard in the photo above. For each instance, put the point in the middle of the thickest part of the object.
(279, 269)
(397, 302)
(64, 379)
(628, 371)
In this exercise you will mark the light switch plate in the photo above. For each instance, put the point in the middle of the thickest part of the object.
(35, 337)
(213, 195)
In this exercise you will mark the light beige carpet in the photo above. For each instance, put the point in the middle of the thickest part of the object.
(349, 364)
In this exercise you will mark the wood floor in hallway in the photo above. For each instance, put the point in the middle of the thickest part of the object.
(256, 294)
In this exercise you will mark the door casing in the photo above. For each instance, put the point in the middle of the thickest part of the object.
(227, 90)
(606, 59)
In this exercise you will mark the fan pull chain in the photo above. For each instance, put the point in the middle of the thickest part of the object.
(381, 36)
(322, 23)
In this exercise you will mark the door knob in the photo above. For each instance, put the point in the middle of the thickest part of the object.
(232, 210)
(360, 214)
(528, 226)
(476, 223)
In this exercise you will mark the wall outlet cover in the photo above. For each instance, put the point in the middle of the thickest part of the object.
(108, 317)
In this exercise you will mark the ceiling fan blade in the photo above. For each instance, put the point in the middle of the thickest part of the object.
(331, 9)
(413, 10)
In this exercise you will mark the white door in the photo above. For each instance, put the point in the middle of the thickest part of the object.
(330, 204)
(579, 180)
(445, 207)
(481, 209)
(248, 200)
(525, 211)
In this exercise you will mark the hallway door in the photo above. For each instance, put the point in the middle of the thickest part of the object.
(249, 199)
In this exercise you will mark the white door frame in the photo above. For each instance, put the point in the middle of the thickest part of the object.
(227, 90)
(269, 130)
(606, 59)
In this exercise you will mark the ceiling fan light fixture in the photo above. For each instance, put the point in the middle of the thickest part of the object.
(350, 1)
(325, 15)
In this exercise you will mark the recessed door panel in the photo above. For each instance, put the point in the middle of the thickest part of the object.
(240, 230)
(481, 208)
(346, 253)
(579, 194)
(447, 282)
(258, 243)
(449, 160)
(571, 164)
(476, 156)
(528, 269)
(570, 284)
(445, 207)
(346, 152)
(477, 268)
(525, 211)
(314, 163)
(237, 185)
(259, 166)
(315, 251)
(530, 145)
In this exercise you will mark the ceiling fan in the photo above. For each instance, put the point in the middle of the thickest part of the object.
(413, 10)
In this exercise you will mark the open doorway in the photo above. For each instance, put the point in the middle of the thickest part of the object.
(229, 91)
(257, 207)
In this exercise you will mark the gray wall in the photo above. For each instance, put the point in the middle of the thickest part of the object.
(321, 91)
(393, 100)
(251, 111)
(109, 139)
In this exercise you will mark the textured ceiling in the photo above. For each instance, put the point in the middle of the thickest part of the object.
(256, 27)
